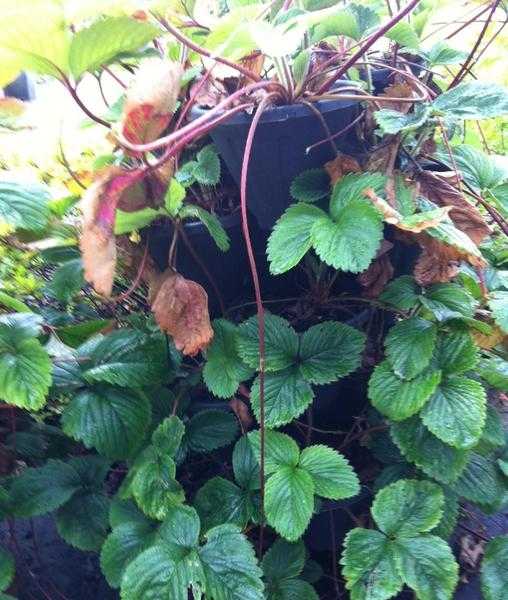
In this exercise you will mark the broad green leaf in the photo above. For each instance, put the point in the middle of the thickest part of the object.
(128, 358)
(230, 36)
(154, 486)
(290, 589)
(456, 352)
(237, 577)
(408, 507)
(67, 281)
(245, 465)
(174, 197)
(281, 343)
(287, 396)
(404, 35)
(125, 222)
(25, 368)
(211, 429)
(105, 40)
(449, 300)
(450, 516)
(283, 560)
(210, 221)
(481, 481)
(409, 346)
(397, 398)
(435, 458)
(329, 351)
(122, 545)
(494, 370)
(280, 450)
(498, 303)
(493, 434)
(351, 188)
(289, 501)
(456, 411)
(167, 437)
(343, 22)
(111, 420)
(24, 206)
(290, 239)
(75, 335)
(83, 520)
(402, 293)
(392, 121)
(475, 100)
(220, 501)
(37, 491)
(224, 369)
(23, 325)
(7, 568)
(331, 473)
(368, 566)
(427, 565)
(443, 54)
(310, 186)
(494, 569)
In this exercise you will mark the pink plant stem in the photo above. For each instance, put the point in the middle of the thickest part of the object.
(369, 43)
(259, 302)
(466, 23)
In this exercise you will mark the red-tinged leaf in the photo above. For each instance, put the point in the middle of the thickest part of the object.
(180, 307)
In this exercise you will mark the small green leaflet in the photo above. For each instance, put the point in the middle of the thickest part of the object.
(174, 197)
(392, 121)
(310, 186)
(24, 206)
(409, 346)
(494, 569)
(210, 221)
(475, 100)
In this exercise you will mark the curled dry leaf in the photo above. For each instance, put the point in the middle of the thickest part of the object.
(151, 100)
(487, 341)
(242, 413)
(395, 91)
(438, 263)
(439, 188)
(97, 243)
(340, 166)
(380, 271)
(180, 307)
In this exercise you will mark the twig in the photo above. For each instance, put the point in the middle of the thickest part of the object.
(67, 166)
(324, 125)
(338, 134)
(73, 92)
(124, 295)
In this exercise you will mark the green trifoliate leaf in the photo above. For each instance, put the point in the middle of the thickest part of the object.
(481, 481)
(392, 121)
(402, 293)
(427, 452)
(111, 420)
(210, 221)
(102, 42)
(498, 303)
(281, 343)
(427, 565)
(220, 501)
(167, 437)
(409, 346)
(211, 429)
(456, 352)
(245, 465)
(207, 170)
(7, 568)
(398, 398)
(442, 54)
(449, 300)
(331, 473)
(83, 520)
(329, 351)
(368, 566)
(289, 501)
(224, 369)
(287, 396)
(154, 486)
(350, 238)
(291, 239)
(311, 186)
(25, 369)
(494, 570)
(24, 206)
(280, 450)
(128, 358)
(283, 560)
(456, 411)
(408, 507)
(475, 100)
(494, 370)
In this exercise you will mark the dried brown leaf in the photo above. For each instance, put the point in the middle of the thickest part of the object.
(340, 166)
(394, 91)
(380, 271)
(242, 413)
(180, 307)
(438, 263)
(487, 341)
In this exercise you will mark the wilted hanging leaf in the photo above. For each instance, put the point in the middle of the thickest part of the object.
(97, 242)
(438, 263)
(466, 217)
(487, 341)
(380, 271)
(340, 166)
(242, 413)
(180, 307)
(396, 90)
(151, 101)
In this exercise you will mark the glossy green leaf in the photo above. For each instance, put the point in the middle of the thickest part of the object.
(245, 465)
(167, 437)
(310, 186)
(481, 481)
(83, 520)
(24, 206)
(402, 293)
(392, 121)
(409, 346)
(456, 352)
(474, 100)
(210, 221)
(67, 281)
(498, 303)
(494, 569)
(211, 429)
(280, 450)
(220, 501)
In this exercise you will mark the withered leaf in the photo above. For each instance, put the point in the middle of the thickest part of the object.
(97, 243)
(242, 413)
(394, 91)
(438, 263)
(380, 271)
(340, 166)
(180, 307)
(151, 100)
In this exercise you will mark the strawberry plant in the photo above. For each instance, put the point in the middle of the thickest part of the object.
(198, 445)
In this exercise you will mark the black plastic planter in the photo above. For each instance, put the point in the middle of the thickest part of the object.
(279, 150)
(228, 269)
